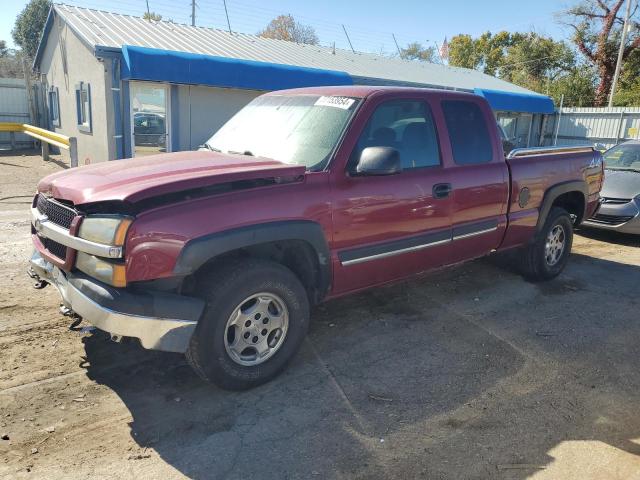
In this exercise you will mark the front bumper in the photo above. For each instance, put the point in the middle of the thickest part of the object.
(160, 320)
(619, 216)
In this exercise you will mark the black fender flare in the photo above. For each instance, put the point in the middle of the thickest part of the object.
(554, 192)
(200, 250)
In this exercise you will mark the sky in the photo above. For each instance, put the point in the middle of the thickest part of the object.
(370, 24)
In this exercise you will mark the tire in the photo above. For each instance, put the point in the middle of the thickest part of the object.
(216, 350)
(544, 262)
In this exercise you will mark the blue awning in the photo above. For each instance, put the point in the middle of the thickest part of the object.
(141, 63)
(517, 102)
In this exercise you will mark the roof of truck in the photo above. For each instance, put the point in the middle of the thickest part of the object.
(359, 91)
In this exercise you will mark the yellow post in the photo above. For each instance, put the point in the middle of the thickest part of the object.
(47, 138)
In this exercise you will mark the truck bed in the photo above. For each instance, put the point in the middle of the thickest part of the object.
(533, 171)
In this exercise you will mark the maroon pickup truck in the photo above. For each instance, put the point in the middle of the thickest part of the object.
(304, 195)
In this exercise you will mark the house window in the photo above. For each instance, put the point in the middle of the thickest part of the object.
(54, 107)
(83, 106)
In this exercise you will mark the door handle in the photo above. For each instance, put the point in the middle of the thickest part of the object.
(441, 190)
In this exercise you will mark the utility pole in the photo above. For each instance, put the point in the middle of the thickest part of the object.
(227, 14)
(193, 13)
(558, 118)
(623, 41)
(396, 42)
(348, 39)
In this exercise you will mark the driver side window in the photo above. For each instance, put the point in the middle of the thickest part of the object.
(407, 126)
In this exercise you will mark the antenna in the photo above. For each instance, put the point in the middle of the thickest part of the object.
(193, 13)
(396, 42)
(148, 11)
(348, 39)
(227, 14)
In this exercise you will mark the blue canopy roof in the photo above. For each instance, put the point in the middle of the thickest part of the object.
(142, 63)
(517, 102)
(152, 64)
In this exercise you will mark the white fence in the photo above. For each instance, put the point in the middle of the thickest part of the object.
(14, 107)
(607, 126)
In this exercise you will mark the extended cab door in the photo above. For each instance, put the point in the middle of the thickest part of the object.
(479, 177)
(388, 227)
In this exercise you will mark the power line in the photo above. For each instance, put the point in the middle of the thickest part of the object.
(252, 18)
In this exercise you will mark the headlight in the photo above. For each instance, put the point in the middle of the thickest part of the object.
(108, 229)
(106, 271)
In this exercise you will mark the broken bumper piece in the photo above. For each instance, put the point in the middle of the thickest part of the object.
(161, 321)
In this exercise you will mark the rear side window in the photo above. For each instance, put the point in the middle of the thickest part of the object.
(407, 126)
(468, 133)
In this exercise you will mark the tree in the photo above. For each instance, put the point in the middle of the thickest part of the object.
(462, 52)
(576, 87)
(597, 26)
(416, 51)
(10, 63)
(29, 25)
(531, 59)
(628, 90)
(152, 16)
(485, 53)
(527, 59)
(284, 27)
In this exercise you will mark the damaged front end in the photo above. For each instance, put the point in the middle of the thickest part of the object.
(89, 274)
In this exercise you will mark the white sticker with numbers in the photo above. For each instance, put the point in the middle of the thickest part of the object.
(337, 102)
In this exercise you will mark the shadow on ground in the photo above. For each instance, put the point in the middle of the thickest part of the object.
(470, 373)
(15, 156)
(610, 237)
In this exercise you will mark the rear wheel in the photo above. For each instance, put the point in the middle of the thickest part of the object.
(256, 317)
(548, 254)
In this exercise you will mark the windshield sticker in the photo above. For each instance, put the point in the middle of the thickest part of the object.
(337, 102)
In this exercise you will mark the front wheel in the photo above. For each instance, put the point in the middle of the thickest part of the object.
(256, 317)
(547, 255)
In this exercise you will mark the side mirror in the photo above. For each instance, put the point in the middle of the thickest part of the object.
(600, 147)
(379, 161)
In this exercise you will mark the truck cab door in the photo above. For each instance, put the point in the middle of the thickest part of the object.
(389, 227)
(480, 179)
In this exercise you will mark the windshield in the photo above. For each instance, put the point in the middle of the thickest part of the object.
(623, 157)
(294, 129)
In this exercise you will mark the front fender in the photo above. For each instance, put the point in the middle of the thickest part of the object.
(199, 251)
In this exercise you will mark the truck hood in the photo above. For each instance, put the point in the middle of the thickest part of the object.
(137, 179)
(621, 184)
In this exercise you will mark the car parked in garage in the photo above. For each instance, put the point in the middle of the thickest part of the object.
(620, 195)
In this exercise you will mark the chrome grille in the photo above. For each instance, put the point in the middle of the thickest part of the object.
(610, 219)
(56, 212)
(615, 201)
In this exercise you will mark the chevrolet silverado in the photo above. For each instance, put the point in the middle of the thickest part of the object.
(303, 196)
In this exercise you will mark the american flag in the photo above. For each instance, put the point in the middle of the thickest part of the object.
(444, 49)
